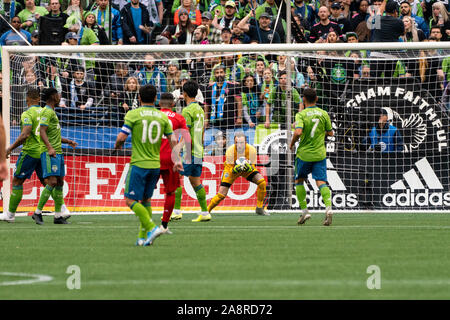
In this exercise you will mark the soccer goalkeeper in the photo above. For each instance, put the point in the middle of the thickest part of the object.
(231, 172)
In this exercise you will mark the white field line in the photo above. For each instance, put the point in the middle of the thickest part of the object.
(47, 280)
(31, 278)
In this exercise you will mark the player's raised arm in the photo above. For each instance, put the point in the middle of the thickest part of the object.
(71, 143)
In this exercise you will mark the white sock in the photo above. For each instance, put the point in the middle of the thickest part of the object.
(176, 211)
(38, 211)
(205, 213)
(58, 214)
(305, 211)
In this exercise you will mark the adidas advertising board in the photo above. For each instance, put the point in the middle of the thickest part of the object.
(414, 174)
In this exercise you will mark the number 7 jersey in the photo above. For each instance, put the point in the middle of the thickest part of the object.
(147, 125)
(195, 119)
(315, 122)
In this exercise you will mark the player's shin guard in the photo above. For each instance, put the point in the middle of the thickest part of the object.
(215, 201)
(178, 197)
(260, 192)
(148, 207)
(16, 197)
(326, 194)
(201, 197)
(143, 215)
(169, 203)
(300, 191)
(46, 193)
(57, 196)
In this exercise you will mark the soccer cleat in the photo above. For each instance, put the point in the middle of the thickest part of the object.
(37, 217)
(7, 217)
(60, 220)
(328, 217)
(166, 230)
(202, 218)
(303, 218)
(176, 216)
(261, 212)
(140, 242)
(152, 235)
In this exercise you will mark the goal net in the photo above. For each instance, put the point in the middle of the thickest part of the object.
(389, 110)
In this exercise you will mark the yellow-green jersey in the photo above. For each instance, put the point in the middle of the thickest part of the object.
(195, 119)
(49, 118)
(30, 117)
(147, 125)
(315, 122)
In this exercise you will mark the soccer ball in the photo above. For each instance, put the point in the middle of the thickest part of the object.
(241, 162)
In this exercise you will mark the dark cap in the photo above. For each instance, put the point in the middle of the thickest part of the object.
(405, 1)
(35, 33)
(265, 15)
(336, 5)
(226, 30)
(71, 35)
(391, 7)
(207, 15)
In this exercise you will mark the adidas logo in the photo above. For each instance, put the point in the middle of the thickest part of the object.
(339, 200)
(132, 193)
(424, 178)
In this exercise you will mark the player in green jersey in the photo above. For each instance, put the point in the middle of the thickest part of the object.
(147, 126)
(312, 124)
(52, 159)
(29, 160)
(193, 161)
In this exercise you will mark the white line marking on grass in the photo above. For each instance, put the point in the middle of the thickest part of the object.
(259, 282)
(34, 278)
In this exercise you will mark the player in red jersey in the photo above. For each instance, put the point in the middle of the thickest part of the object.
(171, 178)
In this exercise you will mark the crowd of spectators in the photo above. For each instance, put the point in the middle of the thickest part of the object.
(242, 90)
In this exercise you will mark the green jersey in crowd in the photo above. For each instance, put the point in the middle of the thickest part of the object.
(195, 119)
(147, 126)
(315, 122)
(30, 117)
(49, 118)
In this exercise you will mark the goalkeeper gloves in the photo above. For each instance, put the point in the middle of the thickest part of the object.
(248, 167)
(237, 169)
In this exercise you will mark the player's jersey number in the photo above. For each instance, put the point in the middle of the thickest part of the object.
(316, 123)
(147, 131)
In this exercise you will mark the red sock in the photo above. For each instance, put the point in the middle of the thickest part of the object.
(169, 203)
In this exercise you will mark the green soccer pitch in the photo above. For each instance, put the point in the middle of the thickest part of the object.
(234, 256)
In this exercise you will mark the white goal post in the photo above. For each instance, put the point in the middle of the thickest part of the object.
(364, 175)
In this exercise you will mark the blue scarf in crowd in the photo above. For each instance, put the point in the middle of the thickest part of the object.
(220, 103)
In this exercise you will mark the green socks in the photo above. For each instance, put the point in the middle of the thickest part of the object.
(142, 213)
(300, 191)
(148, 207)
(326, 194)
(57, 196)
(301, 195)
(178, 196)
(16, 197)
(46, 193)
(201, 197)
